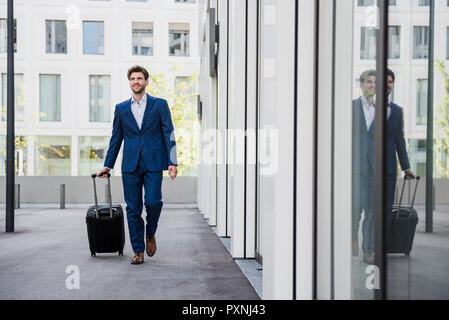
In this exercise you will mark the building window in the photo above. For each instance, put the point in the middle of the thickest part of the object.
(368, 43)
(56, 36)
(50, 97)
(179, 39)
(369, 3)
(4, 35)
(20, 155)
(421, 102)
(394, 42)
(93, 35)
(185, 1)
(92, 152)
(19, 97)
(423, 3)
(420, 42)
(99, 98)
(52, 156)
(142, 39)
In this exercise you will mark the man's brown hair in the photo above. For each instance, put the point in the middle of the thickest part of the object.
(138, 69)
(366, 74)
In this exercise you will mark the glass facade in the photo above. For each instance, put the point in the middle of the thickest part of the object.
(92, 152)
(368, 109)
(19, 98)
(50, 97)
(179, 39)
(52, 156)
(93, 37)
(100, 98)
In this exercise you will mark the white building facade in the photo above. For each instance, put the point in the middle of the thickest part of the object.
(71, 62)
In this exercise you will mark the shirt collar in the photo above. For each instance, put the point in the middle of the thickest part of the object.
(144, 99)
(365, 102)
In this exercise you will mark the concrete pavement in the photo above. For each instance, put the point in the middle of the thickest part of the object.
(191, 262)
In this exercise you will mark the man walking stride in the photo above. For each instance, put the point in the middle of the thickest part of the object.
(144, 123)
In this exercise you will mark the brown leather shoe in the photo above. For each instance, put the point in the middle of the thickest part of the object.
(138, 258)
(151, 246)
(368, 258)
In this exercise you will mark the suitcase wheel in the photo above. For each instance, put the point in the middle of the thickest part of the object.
(92, 254)
(120, 254)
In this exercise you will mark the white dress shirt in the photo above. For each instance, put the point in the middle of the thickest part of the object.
(369, 110)
(138, 109)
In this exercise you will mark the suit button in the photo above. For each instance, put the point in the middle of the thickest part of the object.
(141, 134)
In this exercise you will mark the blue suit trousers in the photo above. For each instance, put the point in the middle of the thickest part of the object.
(132, 187)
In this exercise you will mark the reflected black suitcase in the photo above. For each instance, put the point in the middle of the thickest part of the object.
(105, 226)
(403, 225)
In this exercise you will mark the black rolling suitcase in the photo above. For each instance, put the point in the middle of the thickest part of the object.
(105, 227)
(403, 225)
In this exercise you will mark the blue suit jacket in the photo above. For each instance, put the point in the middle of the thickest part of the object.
(363, 141)
(156, 139)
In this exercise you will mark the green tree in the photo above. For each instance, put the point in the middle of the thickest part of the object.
(181, 97)
(442, 127)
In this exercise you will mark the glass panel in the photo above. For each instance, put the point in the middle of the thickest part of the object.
(4, 35)
(363, 154)
(142, 41)
(19, 89)
(56, 36)
(52, 156)
(267, 115)
(418, 245)
(179, 39)
(21, 156)
(50, 97)
(92, 152)
(93, 37)
(100, 98)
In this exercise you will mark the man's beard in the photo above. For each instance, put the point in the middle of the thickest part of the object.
(141, 90)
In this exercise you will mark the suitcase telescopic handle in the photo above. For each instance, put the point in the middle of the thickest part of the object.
(414, 193)
(108, 175)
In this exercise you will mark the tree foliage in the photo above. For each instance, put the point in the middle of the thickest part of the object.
(181, 97)
(442, 127)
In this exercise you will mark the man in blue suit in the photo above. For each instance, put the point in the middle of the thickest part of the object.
(144, 123)
(363, 159)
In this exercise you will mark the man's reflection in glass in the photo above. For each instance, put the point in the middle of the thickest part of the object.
(363, 165)
(364, 110)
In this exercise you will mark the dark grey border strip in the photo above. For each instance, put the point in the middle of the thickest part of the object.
(430, 128)
(379, 150)
(10, 136)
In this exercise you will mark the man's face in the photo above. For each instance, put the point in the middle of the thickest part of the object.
(137, 82)
(368, 87)
(390, 84)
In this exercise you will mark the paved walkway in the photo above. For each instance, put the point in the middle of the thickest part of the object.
(191, 262)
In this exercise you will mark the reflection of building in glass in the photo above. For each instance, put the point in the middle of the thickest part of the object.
(71, 71)
(408, 52)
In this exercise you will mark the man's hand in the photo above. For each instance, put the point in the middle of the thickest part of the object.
(172, 172)
(409, 174)
(103, 172)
